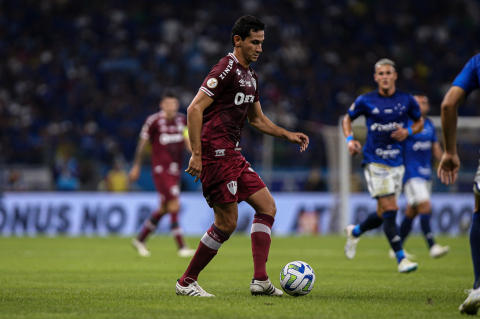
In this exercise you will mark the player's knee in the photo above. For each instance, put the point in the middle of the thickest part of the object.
(229, 226)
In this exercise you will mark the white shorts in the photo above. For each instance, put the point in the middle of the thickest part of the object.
(476, 181)
(417, 191)
(383, 180)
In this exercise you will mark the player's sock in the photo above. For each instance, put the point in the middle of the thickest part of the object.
(149, 225)
(176, 230)
(371, 222)
(427, 231)
(260, 234)
(207, 249)
(391, 231)
(475, 247)
(405, 228)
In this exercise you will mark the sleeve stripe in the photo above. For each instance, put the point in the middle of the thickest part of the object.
(206, 91)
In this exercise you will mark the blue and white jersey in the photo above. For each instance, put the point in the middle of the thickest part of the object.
(383, 115)
(418, 152)
(468, 79)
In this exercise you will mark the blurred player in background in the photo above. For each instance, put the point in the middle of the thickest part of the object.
(386, 111)
(216, 116)
(419, 149)
(466, 82)
(168, 135)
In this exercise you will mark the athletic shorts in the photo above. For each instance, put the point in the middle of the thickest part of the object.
(418, 190)
(227, 182)
(167, 185)
(476, 181)
(383, 180)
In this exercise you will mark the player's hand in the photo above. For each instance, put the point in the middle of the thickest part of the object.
(195, 166)
(354, 147)
(400, 134)
(134, 173)
(448, 168)
(299, 138)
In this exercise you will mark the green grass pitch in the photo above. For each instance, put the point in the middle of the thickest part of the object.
(105, 278)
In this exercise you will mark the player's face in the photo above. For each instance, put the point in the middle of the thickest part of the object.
(385, 76)
(170, 106)
(252, 45)
(422, 101)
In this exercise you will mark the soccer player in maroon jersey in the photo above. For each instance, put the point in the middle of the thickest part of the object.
(227, 97)
(167, 132)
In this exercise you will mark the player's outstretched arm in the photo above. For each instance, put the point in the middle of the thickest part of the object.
(450, 163)
(194, 124)
(134, 173)
(354, 147)
(258, 120)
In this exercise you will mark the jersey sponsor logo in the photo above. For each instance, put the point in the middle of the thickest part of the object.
(241, 98)
(232, 187)
(422, 146)
(375, 111)
(220, 152)
(212, 83)
(166, 138)
(387, 153)
(425, 171)
(392, 126)
(227, 69)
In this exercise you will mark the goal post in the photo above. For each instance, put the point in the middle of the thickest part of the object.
(468, 131)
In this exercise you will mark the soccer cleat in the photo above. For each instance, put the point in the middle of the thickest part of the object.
(438, 251)
(140, 247)
(352, 241)
(392, 255)
(192, 290)
(186, 252)
(472, 303)
(266, 288)
(406, 266)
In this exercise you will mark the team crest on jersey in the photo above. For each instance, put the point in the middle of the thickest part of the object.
(254, 83)
(212, 83)
(232, 187)
(239, 72)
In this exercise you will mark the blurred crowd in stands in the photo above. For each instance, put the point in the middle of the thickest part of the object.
(78, 78)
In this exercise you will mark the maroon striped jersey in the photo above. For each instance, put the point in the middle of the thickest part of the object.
(233, 90)
(166, 136)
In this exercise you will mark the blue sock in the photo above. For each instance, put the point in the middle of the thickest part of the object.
(400, 255)
(371, 222)
(427, 231)
(391, 231)
(475, 247)
(405, 228)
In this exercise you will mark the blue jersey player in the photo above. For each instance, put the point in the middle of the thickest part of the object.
(386, 111)
(466, 82)
(419, 149)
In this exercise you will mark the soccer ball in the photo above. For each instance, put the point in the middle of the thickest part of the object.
(297, 278)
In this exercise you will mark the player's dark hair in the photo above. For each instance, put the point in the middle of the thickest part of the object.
(168, 93)
(243, 26)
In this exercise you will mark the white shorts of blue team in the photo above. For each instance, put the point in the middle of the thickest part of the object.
(418, 190)
(383, 180)
(476, 181)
